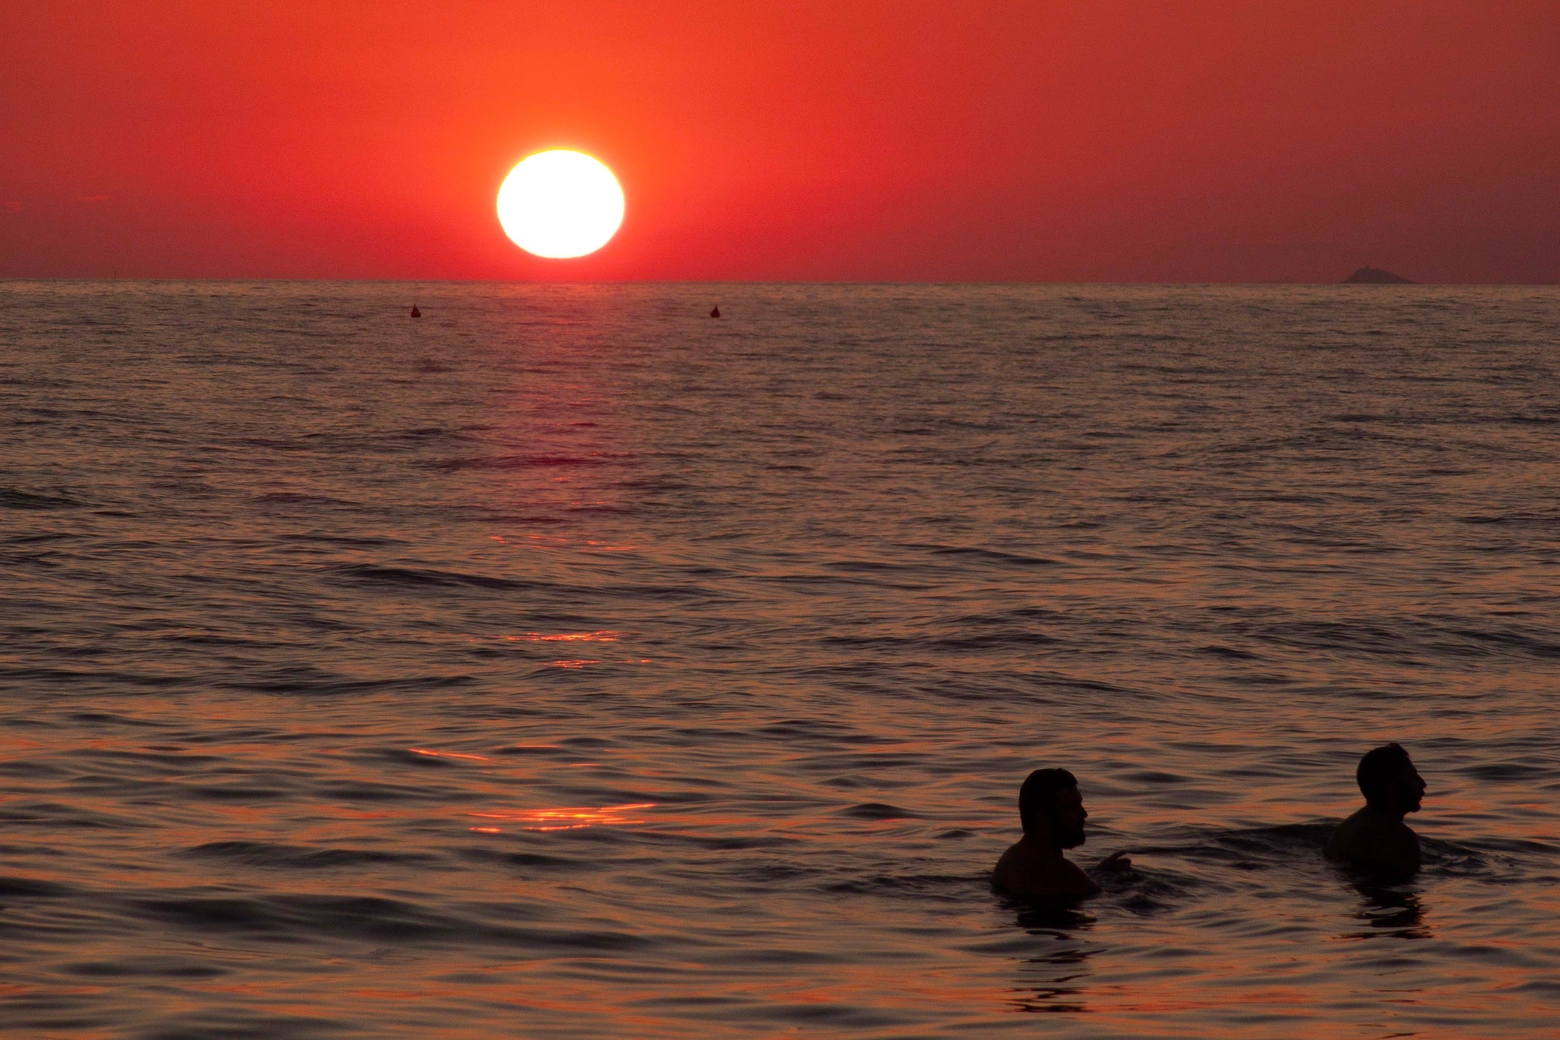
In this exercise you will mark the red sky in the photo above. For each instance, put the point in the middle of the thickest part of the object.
(989, 140)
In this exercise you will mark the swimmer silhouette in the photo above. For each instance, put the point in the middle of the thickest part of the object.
(1052, 813)
(1375, 840)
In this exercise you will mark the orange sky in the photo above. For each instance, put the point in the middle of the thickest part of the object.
(991, 140)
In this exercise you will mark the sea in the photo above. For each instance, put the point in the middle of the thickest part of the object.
(568, 663)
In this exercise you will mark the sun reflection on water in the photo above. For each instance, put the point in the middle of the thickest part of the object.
(570, 818)
(447, 754)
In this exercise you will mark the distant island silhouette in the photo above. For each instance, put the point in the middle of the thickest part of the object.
(1369, 275)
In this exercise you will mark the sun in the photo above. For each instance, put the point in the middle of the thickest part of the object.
(560, 204)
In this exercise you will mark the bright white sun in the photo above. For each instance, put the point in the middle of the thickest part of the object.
(560, 204)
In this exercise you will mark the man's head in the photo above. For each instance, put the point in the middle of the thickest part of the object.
(1051, 807)
(1389, 780)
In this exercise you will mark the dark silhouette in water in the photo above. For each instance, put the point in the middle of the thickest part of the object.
(1375, 840)
(1389, 911)
(1051, 810)
(415, 312)
(714, 312)
(1052, 983)
(1369, 275)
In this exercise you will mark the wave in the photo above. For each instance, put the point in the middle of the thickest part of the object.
(15, 498)
(425, 577)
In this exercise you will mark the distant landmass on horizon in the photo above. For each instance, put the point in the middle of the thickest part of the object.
(1369, 275)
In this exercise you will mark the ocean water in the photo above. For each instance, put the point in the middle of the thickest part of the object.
(566, 663)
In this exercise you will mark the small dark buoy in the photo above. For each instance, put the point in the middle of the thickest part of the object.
(714, 312)
(415, 312)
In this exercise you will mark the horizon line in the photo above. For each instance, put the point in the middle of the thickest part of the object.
(757, 281)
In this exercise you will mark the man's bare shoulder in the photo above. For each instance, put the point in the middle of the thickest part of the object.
(1365, 842)
(1347, 837)
(1022, 872)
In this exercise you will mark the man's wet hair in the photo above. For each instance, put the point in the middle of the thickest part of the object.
(1037, 796)
(1380, 767)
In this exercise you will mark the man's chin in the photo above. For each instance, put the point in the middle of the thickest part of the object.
(1072, 841)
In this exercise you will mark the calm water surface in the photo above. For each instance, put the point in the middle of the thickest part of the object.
(568, 664)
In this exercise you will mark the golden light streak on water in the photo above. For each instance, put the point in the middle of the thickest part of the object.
(571, 818)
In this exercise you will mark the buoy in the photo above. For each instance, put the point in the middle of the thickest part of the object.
(415, 312)
(714, 312)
